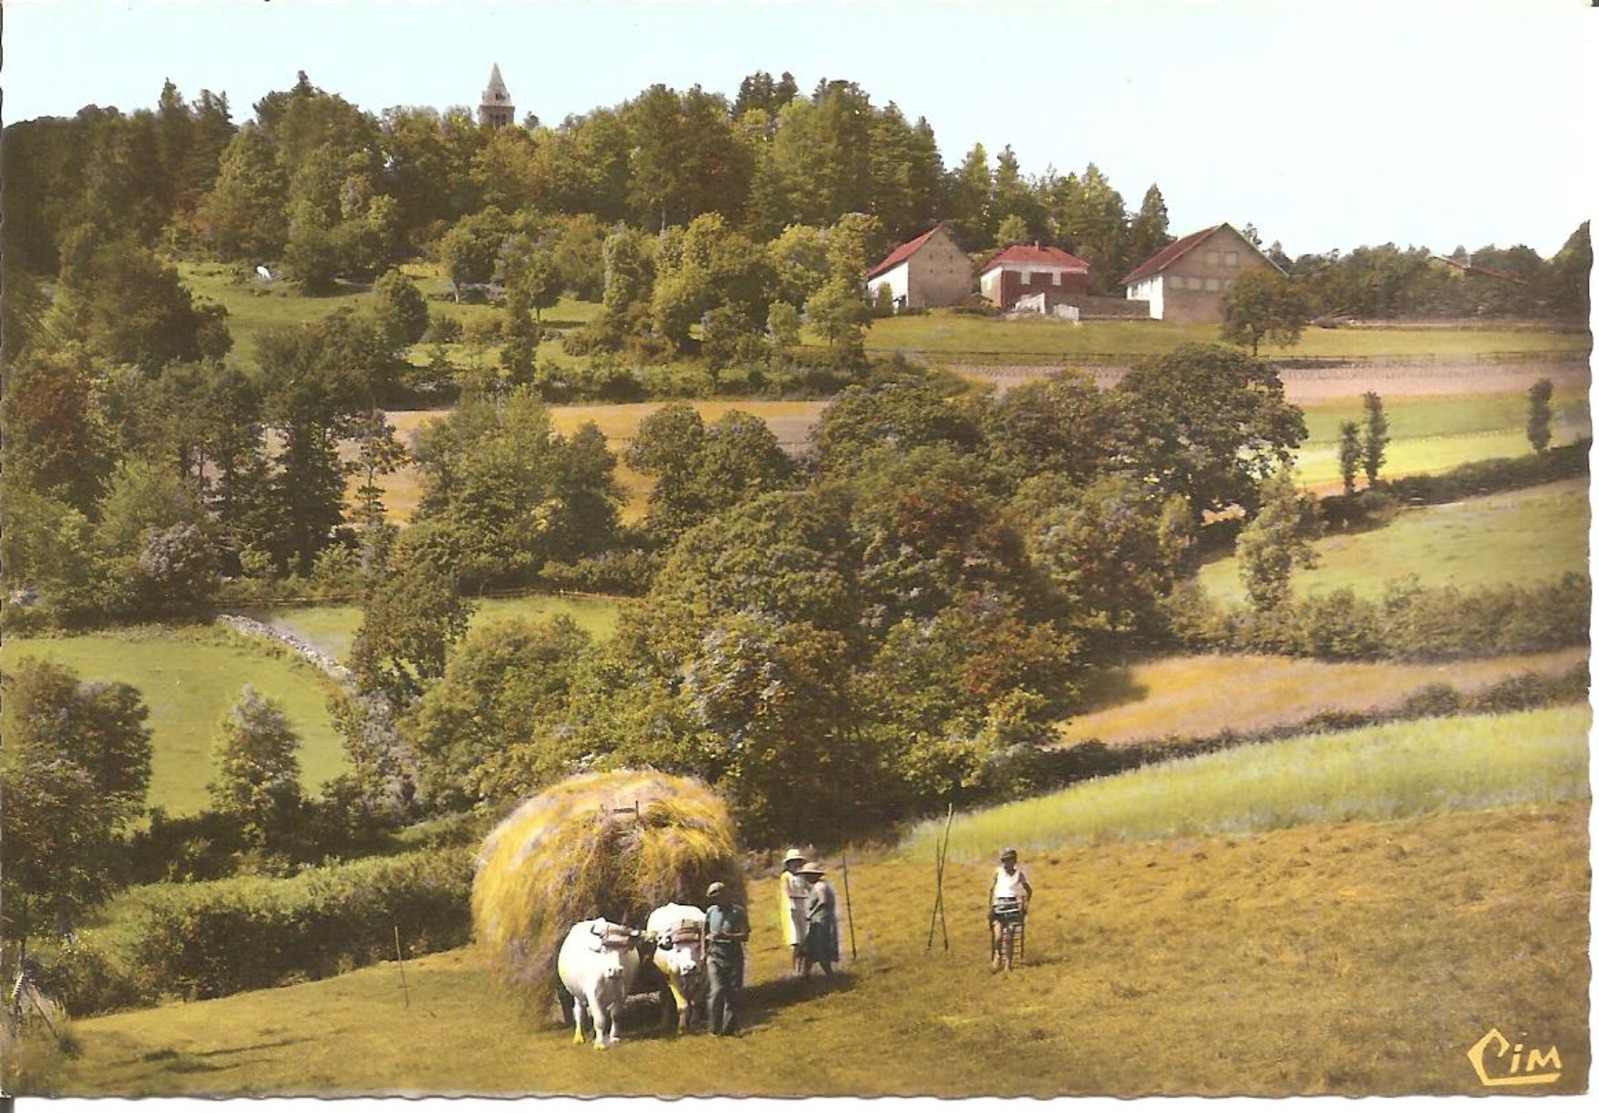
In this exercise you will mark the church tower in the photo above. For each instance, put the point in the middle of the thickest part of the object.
(496, 110)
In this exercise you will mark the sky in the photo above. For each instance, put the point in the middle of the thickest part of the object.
(1326, 125)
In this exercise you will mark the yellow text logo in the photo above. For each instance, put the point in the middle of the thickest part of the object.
(1498, 1062)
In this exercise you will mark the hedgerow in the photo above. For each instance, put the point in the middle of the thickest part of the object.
(209, 939)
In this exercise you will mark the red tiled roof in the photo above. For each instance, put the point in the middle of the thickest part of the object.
(902, 252)
(1173, 252)
(1168, 255)
(1037, 256)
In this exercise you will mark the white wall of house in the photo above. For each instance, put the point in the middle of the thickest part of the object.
(898, 281)
(1152, 290)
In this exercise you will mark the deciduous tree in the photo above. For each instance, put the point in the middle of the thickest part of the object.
(1276, 541)
(1263, 305)
(256, 751)
(73, 773)
(1208, 423)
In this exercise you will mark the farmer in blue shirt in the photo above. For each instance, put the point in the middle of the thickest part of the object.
(727, 928)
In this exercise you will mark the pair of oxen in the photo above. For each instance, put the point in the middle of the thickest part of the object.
(601, 962)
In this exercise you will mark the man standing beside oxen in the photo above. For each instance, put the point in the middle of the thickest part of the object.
(727, 929)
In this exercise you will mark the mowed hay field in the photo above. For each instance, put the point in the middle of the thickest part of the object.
(1177, 696)
(1350, 958)
(1524, 537)
(189, 680)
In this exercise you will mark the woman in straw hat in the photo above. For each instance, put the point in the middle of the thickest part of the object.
(821, 917)
(793, 892)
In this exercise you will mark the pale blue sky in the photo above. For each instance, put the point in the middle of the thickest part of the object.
(1327, 125)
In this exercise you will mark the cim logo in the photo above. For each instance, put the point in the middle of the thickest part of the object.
(1529, 1067)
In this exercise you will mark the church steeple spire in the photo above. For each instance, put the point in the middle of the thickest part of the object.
(496, 109)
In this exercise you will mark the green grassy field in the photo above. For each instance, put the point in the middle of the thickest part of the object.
(254, 306)
(1435, 433)
(946, 335)
(1516, 537)
(188, 681)
(332, 628)
(1395, 771)
(1351, 958)
(1184, 696)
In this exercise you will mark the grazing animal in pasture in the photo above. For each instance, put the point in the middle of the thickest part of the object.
(598, 963)
(679, 934)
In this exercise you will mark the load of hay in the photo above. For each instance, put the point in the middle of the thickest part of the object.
(568, 854)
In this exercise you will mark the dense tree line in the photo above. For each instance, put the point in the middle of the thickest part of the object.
(333, 190)
(1386, 282)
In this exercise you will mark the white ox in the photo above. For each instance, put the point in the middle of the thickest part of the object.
(679, 934)
(598, 964)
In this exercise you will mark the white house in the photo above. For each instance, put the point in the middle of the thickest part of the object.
(923, 273)
(1187, 281)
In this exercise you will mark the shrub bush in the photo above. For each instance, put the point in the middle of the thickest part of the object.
(215, 938)
(1482, 477)
(610, 573)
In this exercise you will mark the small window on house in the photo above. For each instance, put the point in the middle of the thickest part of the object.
(1054, 278)
(1176, 281)
(1232, 259)
(1212, 284)
(1212, 258)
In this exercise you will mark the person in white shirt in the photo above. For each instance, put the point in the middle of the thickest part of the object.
(794, 891)
(1008, 896)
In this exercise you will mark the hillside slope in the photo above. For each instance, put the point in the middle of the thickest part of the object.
(1354, 958)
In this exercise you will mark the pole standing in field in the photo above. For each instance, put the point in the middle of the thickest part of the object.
(938, 898)
(400, 955)
(848, 911)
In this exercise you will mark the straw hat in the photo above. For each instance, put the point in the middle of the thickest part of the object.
(793, 855)
(811, 867)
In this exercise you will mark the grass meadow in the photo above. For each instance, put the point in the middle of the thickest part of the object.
(973, 339)
(1353, 957)
(1383, 773)
(189, 679)
(332, 628)
(1183, 696)
(1523, 537)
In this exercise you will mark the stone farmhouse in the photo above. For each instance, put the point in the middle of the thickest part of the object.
(1030, 278)
(1186, 281)
(496, 109)
(925, 273)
